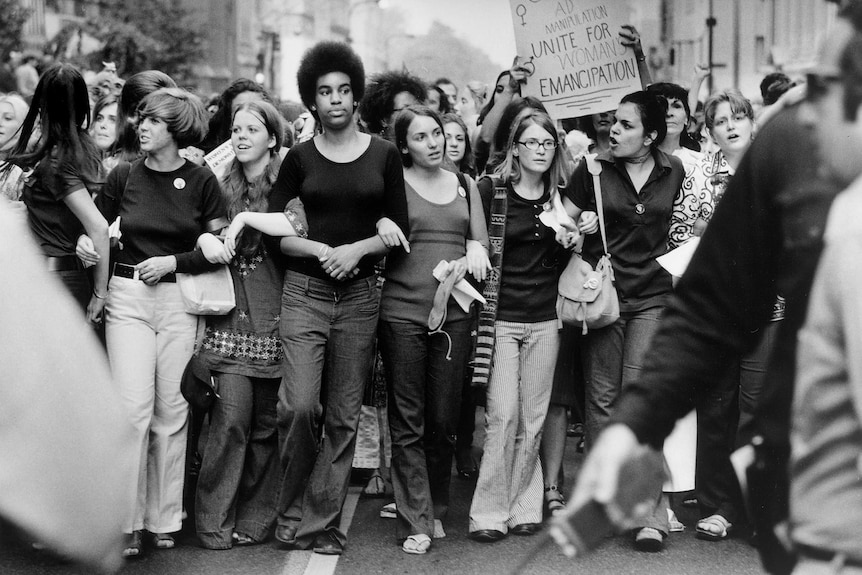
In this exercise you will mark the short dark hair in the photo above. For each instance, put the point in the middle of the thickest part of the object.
(182, 111)
(134, 90)
(379, 101)
(324, 58)
(402, 125)
(653, 111)
(670, 90)
(773, 86)
(851, 72)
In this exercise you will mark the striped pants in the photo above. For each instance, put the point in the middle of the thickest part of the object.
(510, 489)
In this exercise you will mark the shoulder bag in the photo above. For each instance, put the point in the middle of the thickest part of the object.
(586, 295)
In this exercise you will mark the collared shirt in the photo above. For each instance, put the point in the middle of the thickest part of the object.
(637, 225)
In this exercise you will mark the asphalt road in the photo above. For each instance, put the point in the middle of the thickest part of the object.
(372, 549)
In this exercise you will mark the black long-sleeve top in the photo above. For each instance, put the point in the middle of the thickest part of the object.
(343, 201)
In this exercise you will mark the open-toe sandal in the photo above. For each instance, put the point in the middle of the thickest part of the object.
(416, 544)
(713, 528)
(554, 501)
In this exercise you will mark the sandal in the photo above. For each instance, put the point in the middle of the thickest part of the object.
(163, 541)
(416, 544)
(555, 503)
(713, 528)
(376, 487)
(389, 511)
(135, 544)
(241, 539)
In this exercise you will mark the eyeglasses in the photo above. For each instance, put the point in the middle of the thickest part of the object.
(533, 144)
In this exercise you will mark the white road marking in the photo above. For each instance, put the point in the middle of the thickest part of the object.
(310, 563)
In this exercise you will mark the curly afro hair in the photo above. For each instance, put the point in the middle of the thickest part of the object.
(379, 102)
(324, 58)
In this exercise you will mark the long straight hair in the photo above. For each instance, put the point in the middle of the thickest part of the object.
(244, 196)
(509, 169)
(61, 103)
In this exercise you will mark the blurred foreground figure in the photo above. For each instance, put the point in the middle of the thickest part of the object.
(765, 237)
(64, 439)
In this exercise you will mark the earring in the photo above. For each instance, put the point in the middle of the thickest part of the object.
(314, 108)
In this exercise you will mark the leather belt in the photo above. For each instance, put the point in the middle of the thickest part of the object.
(826, 555)
(129, 272)
(64, 264)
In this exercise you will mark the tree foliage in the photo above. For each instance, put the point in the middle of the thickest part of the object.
(146, 34)
(11, 26)
(441, 53)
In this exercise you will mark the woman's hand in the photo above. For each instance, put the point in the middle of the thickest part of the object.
(518, 75)
(151, 270)
(457, 267)
(233, 230)
(568, 234)
(391, 234)
(95, 308)
(629, 36)
(86, 251)
(701, 72)
(341, 262)
(588, 222)
(478, 263)
(214, 251)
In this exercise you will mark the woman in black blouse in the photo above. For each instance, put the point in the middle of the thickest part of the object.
(164, 204)
(347, 181)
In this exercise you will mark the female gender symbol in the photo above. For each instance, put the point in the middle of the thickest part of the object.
(520, 11)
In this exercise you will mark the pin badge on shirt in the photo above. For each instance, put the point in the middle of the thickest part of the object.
(639, 209)
(179, 183)
(461, 192)
(547, 206)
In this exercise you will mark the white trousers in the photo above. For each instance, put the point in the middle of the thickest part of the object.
(150, 339)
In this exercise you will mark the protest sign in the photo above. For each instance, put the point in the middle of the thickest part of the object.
(572, 50)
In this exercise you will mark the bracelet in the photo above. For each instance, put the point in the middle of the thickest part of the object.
(322, 252)
(97, 296)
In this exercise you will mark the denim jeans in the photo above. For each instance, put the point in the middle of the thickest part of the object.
(328, 330)
(238, 480)
(613, 359)
(150, 340)
(424, 404)
(510, 489)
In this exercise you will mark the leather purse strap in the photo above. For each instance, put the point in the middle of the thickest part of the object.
(595, 168)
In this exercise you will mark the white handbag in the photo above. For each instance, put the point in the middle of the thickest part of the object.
(208, 293)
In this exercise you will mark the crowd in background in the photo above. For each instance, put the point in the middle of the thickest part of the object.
(343, 345)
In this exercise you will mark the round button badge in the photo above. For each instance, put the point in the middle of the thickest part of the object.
(179, 183)
(639, 209)
(461, 192)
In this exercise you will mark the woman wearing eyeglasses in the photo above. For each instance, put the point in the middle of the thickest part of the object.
(518, 331)
(638, 185)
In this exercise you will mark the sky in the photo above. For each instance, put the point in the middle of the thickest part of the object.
(487, 24)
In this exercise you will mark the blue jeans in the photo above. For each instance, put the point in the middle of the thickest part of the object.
(327, 329)
(613, 358)
(424, 404)
(238, 480)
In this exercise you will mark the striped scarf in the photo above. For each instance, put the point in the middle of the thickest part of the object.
(485, 338)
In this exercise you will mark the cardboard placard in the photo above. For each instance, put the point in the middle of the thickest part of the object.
(573, 49)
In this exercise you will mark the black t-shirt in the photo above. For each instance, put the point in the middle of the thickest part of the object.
(637, 225)
(163, 213)
(531, 259)
(343, 201)
(55, 226)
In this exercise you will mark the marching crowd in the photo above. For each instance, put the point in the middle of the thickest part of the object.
(393, 217)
